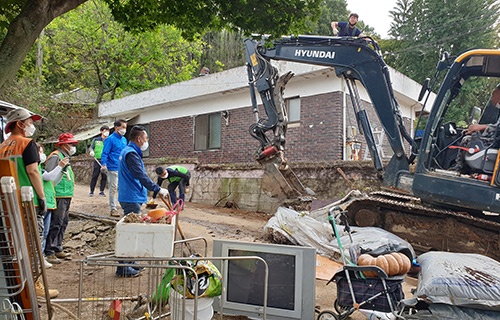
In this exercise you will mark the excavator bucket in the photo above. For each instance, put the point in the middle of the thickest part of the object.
(280, 180)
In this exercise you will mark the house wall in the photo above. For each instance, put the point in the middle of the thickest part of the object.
(318, 136)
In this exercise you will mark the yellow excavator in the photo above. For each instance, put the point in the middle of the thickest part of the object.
(432, 206)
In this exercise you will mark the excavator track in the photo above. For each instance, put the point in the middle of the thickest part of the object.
(426, 228)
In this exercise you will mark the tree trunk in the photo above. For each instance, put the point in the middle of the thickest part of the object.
(24, 30)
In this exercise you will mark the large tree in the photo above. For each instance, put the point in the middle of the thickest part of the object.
(86, 48)
(425, 27)
(27, 18)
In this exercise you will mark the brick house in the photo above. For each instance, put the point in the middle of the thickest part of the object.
(207, 118)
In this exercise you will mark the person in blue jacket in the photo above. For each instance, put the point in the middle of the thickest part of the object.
(133, 179)
(134, 182)
(113, 146)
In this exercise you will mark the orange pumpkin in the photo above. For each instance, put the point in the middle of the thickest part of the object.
(400, 261)
(367, 260)
(392, 263)
(382, 263)
(405, 268)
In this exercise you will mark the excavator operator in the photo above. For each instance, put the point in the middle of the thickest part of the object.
(487, 135)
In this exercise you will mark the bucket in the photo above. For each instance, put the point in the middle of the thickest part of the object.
(205, 309)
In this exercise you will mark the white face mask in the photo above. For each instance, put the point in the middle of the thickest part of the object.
(105, 133)
(29, 130)
(72, 150)
(43, 157)
(122, 132)
(145, 146)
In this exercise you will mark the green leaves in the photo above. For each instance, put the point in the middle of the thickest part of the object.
(194, 17)
(89, 49)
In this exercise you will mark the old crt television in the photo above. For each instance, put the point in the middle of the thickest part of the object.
(291, 280)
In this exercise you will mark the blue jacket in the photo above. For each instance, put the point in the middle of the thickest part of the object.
(133, 182)
(113, 147)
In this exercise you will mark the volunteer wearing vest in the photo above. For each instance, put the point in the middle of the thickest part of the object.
(49, 179)
(134, 183)
(95, 151)
(19, 148)
(65, 189)
(177, 176)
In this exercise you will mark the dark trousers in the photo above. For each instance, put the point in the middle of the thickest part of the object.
(95, 175)
(182, 189)
(58, 224)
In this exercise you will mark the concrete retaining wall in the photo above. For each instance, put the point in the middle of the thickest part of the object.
(240, 185)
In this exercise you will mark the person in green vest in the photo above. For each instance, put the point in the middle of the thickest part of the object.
(65, 189)
(178, 177)
(95, 150)
(23, 151)
(49, 179)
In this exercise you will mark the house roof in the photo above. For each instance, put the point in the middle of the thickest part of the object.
(229, 82)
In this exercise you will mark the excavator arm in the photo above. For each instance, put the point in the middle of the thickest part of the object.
(354, 59)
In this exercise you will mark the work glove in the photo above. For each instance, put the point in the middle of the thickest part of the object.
(104, 170)
(42, 204)
(91, 153)
(163, 192)
(187, 189)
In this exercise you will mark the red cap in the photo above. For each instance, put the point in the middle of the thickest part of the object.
(66, 138)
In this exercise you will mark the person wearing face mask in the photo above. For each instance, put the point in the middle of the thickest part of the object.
(178, 177)
(21, 149)
(95, 150)
(486, 133)
(49, 180)
(113, 146)
(65, 189)
(134, 182)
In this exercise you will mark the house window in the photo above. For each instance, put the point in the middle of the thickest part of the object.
(207, 131)
(293, 109)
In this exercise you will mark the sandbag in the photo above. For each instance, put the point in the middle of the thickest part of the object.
(459, 279)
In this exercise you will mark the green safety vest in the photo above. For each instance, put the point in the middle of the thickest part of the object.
(66, 187)
(12, 149)
(181, 169)
(98, 147)
(50, 194)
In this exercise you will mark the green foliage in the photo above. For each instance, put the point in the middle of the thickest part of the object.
(423, 28)
(223, 50)
(274, 17)
(87, 48)
(9, 9)
(476, 92)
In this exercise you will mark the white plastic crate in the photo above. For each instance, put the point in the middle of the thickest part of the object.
(145, 239)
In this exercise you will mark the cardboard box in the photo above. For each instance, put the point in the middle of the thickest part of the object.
(144, 240)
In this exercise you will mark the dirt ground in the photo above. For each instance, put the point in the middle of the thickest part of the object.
(196, 220)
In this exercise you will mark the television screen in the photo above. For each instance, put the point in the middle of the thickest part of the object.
(250, 288)
(291, 280)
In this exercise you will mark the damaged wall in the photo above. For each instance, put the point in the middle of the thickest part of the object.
(241, 185)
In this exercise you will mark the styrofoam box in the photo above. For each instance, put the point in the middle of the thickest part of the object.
(145, 239)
